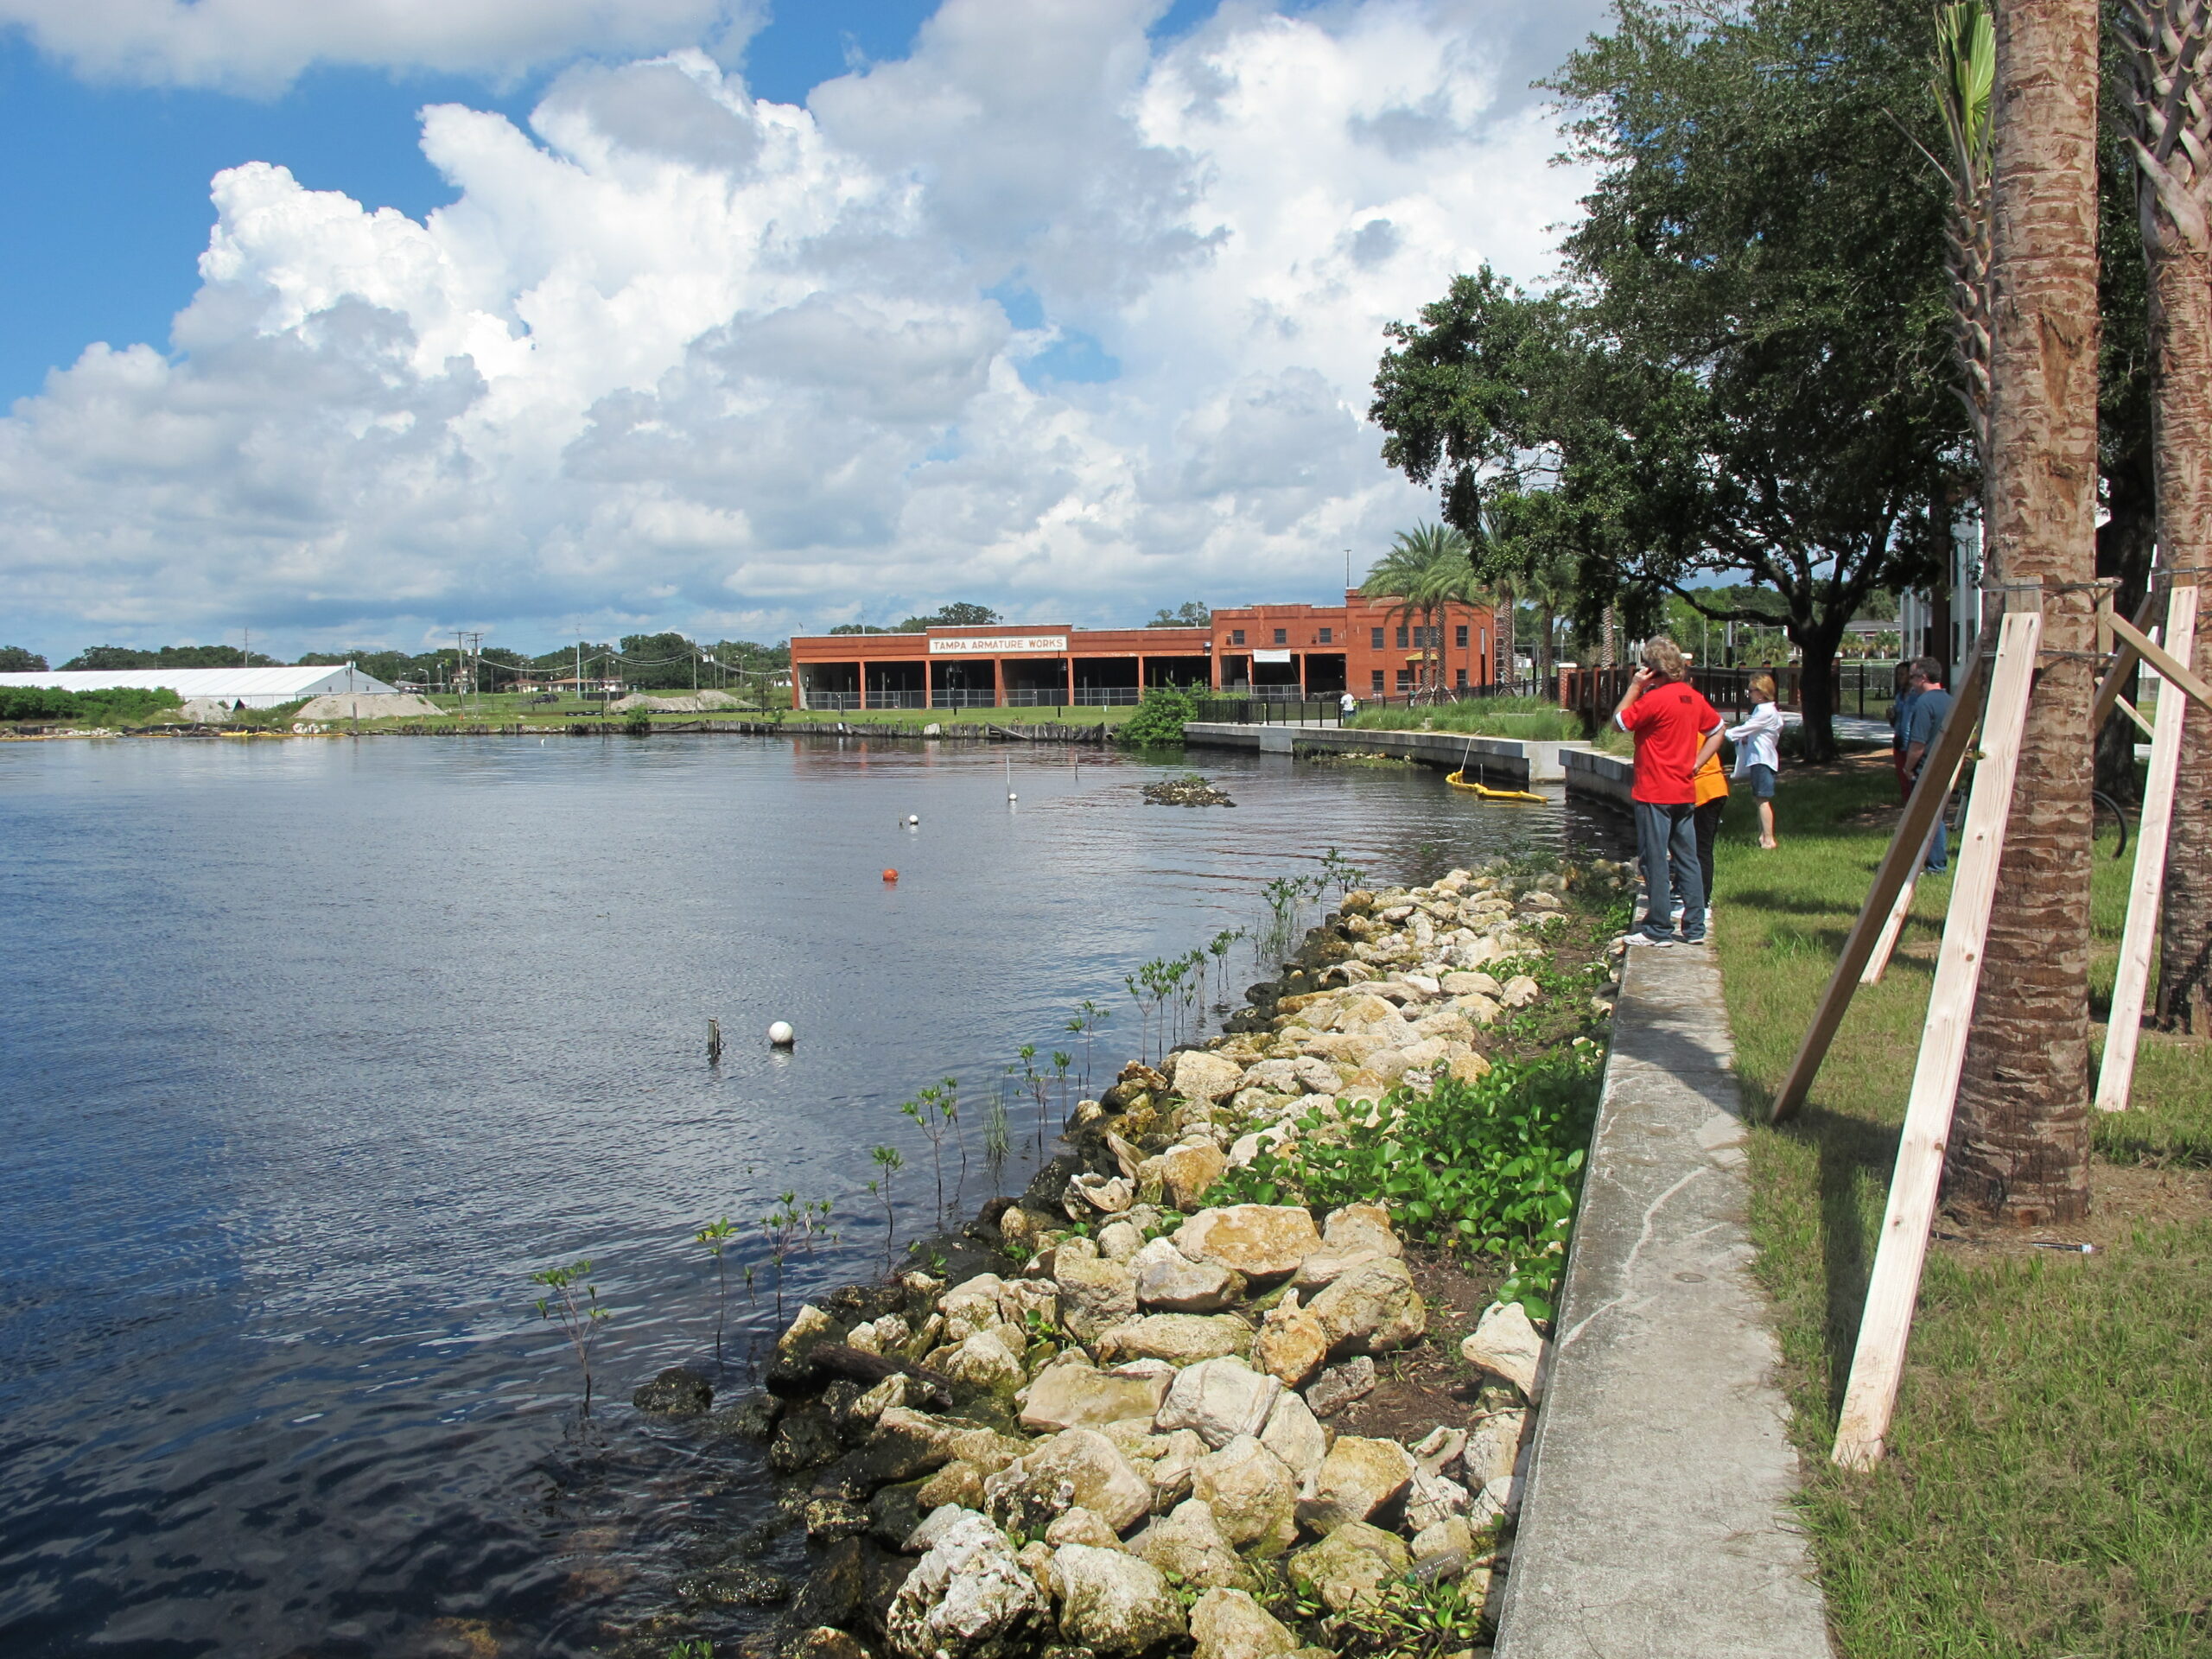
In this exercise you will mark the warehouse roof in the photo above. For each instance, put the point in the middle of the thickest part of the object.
(261, 685)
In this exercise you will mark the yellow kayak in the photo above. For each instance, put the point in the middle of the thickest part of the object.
(1484, 791)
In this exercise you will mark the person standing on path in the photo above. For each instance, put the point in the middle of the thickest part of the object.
(1676, 731)
(1347, 706)
(1931, 707)
(1759, 751)
(1900, 720)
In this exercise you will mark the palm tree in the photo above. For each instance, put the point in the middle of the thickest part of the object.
(2020, 1149)
(1966, 70)
(2170, 124)
(1426, 568)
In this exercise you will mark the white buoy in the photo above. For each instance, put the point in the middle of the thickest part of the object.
(782, 1035)
(913, 818)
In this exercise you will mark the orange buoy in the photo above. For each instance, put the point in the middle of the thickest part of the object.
(890, 875)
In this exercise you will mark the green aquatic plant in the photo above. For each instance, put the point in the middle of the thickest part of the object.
(790, 1227)
(890, 1160)
(574, 1307)
(716, 1235)
(997, 1142)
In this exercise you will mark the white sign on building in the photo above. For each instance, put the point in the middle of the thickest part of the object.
(995, 644)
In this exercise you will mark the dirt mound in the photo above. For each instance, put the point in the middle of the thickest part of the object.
(368, 706)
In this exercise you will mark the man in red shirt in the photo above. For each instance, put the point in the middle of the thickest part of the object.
(1676, 731)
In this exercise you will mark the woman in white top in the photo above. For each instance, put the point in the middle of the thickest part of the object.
(1759, 753)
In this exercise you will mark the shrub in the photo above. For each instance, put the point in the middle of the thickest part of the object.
(1159, 719)
(1488, 1168)
(114, 707)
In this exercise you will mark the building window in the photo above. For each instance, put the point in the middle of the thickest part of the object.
(1462, 681)
(1374, 680)
(1328, 636)
(1406, 684)
(1282, 638)
(1402, 640)
(1375, 642)
(1460, 640)
(1236, 638)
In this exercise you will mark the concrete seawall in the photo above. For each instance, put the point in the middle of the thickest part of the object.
(1656, 1523)
(1516, 761)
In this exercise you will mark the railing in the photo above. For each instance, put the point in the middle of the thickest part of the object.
(1269, 711)
(1860, 689)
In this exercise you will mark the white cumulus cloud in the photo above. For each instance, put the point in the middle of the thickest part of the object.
(1047, 314)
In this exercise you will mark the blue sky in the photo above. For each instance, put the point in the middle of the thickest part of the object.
(1069, 308)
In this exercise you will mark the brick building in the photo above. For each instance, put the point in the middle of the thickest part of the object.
(1372, 646)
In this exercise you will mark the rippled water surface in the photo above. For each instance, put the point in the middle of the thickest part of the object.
(314, 1052)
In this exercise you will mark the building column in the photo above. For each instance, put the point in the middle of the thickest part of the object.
(863, 682)
(1140, 677)
(1299, 658)
(1067, 670)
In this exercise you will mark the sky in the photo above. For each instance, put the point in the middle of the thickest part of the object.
(357, 323)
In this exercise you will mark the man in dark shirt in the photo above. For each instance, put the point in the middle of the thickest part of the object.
(1931, 707)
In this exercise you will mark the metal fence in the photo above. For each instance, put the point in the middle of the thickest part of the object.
(1270, 711)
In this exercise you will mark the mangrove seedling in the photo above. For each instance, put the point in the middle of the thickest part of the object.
(573, 1306)
(890, 1160)
(791, 1226)
(716, 1235)
(1034, 1081)
(1060, 1064)
(933, 1113)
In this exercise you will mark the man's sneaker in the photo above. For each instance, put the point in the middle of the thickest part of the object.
(1698, 938)
(1656, 941)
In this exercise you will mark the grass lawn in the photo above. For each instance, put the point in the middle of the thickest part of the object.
(1535, 719)
(2049, 1490)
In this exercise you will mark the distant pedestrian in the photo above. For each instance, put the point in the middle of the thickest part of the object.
(1759, 751)
(1931, 707)
(1676, 731)
(1900, 718)
(1347, 706)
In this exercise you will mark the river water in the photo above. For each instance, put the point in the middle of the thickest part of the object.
(314, 1052)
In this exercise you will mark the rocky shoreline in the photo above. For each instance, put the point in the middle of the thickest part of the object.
(1117, 1441)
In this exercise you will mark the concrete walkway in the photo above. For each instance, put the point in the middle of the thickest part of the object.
(1656, 1523)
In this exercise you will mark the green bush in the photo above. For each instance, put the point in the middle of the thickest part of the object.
(1159, 719)
(116, 707)
(1490, 1168)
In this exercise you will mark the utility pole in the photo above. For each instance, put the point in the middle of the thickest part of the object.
(245, 651)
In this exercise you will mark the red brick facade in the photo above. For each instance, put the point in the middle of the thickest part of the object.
(1370, 645)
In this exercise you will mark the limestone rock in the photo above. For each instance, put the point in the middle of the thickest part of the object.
(1470, 984)
(1520, 992)
(1361, 1227)
(1088, 1196)
(1327, 1265)
(1071, 1395)
(1293, 1343)
(1438, 1449)
(1170, 1471)
(1229, 1624)
(1505, 1344)
(679, 1391)
(1095, 1293)
(1261, 1240)
(1350, 1565)
(1079, 1526)
(972, 1305)
(959, 1485)
(1079, 1466)
(1431, 1499)
(810, 1329)
(984, 1361)
(1371, 1308)
(1189, 1544)
(1187, 1172)
(1201, 1075)
(1112, 1602)
(1476, 1008)
(827, 1641)
(1469, 1067)
(1295, 1435)
(1179, 1338)
(1169, 1279)
(804, 1440)
(1118, 1241)
(968, 1598)
(1493, 1446)
(1250, 1493)
(1358, 1479)
(1220, 1399)
(1340, 1385)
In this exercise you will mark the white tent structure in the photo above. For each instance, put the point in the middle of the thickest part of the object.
(235, 687)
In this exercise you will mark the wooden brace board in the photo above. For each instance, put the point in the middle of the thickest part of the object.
(1897, 865)
(1893, 1290)
(2116, 1076)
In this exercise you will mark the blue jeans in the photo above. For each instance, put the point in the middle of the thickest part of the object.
(1666, 848)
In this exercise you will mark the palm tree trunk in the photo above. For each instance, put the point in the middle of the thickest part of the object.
(1501, 663)
(2020, 1147)
(2172, 126)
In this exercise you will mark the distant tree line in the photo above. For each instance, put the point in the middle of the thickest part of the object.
(961, 615)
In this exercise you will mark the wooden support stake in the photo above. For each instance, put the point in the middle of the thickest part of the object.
(2169, 670)
(2122, 664)
(1893, 1290)
(2135, 715)
(713, 1040)
(1878, 963)
(2123, 1025)
(1898, 864)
